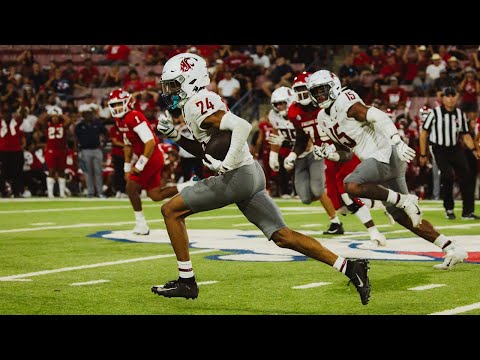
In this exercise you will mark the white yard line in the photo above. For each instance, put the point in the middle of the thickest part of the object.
(312, 285)
(458, 310)
(42, 223)
(90, 266)
(89, 282)
(426, 287)
(121, 223)
(243, 224)
(207, 282)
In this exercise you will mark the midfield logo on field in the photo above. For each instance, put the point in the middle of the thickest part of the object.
(252, 245)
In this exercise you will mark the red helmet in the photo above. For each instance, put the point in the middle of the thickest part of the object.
(424, 111)
(300, 88)
(120, 102)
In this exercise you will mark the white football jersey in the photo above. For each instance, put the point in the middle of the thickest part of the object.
(284, 126)
(365, 139)
(198, 108)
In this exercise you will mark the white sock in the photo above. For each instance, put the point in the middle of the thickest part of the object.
(346, 199)
(368, 202)
(392, 197)
(185, 269)
(61, 186)
(363, 214)
(442, 242)
(50, 183)
(139, 217)
(373, 232)
(340, 264)
(335, 220)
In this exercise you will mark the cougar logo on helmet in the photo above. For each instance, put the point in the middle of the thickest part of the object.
(185, 65)
(324, 87)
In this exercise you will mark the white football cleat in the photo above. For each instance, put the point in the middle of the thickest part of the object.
(455, 255)
(411, 208)
(141, 229)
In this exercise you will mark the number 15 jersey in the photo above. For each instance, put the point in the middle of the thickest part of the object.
(365, 139)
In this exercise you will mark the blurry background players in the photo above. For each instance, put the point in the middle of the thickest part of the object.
(282, 136)
(118, 159)
(55, 124)
(309, 173)
(140, 140)
(371, 134)
(89, 132)
(262, 149)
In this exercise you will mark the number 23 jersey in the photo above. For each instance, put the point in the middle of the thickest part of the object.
(197, 109)
(365, 139)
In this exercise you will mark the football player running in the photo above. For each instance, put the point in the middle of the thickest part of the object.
(372, 136)
(239, 180)
(140, 140)
(309, 172)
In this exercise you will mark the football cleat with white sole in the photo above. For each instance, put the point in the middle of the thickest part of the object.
(141, 229)
(411, 208)
(454, 256)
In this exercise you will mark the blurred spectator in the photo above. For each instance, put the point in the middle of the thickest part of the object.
(150, 82)
(375, 95)
(12, 142)
(391, 68)
(38, 77)
(235, 59)
(229, 88)
(360, 58)
(395, 96)
(27, 124)
(88, 132)
(246, 74)
(280, 75)
(454, 70)
(112, 77)
(433, 70)
(34, 171)
(409, 61)
(441, 83)
(116, 54)
(60, 85)
(10, 97)
(89, 75)
(70, 72)
(377, 60)
(421, 84)
(348, 72)
(469, 89)
(104, 111)
(132, 82)
(260, 58)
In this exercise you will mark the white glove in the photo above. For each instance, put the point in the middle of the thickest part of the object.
(275, 139)
(289, 162)
(273, 161)
(323, 151)
(165, 126)
(405, 152)
(216, 165)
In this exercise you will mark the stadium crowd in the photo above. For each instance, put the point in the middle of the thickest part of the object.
(69, 86)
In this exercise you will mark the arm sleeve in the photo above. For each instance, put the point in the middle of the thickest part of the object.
(144, 132)
(240, 130)
(384, 123)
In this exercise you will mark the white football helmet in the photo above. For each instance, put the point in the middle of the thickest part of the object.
(183, 75)
(54, 110)
(324, 87)
(281, 100)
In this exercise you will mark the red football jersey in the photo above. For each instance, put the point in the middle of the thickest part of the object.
(266, 128)
(56, 136)
(127, 126)
(305, 117)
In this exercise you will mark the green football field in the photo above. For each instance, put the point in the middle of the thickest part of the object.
(78, 256)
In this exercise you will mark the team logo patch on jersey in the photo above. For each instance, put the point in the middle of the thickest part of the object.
(251, 245)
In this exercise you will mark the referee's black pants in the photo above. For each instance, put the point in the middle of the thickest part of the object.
(451, 159)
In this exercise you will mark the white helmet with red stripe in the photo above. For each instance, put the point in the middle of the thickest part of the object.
(324, 87)
(120, 102)
(300, 88)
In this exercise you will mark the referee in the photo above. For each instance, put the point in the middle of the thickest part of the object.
(443, 127)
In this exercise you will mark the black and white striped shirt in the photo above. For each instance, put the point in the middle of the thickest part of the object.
(445, 126)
